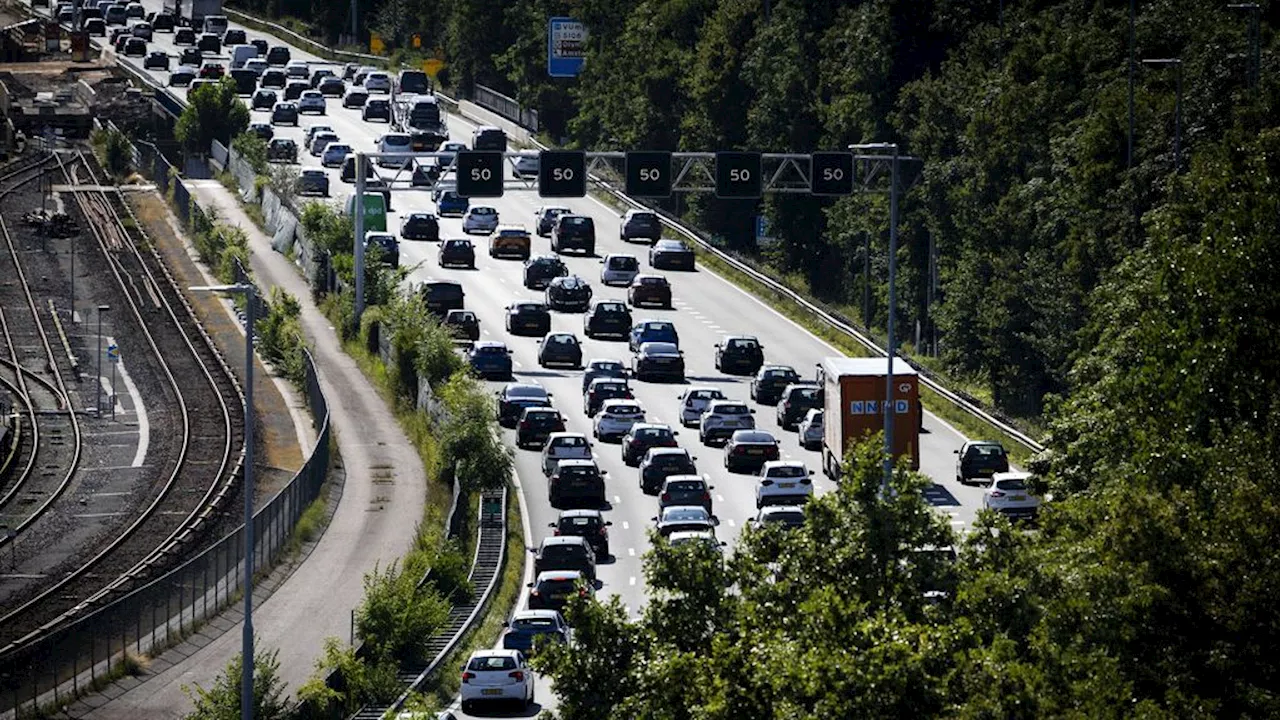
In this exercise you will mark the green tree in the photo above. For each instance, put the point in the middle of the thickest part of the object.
(221, 701)
(396, 617)
(253, 149)
(213, 112)
(117, 152)
(467, 436)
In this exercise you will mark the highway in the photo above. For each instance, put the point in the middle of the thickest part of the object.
(706, 307)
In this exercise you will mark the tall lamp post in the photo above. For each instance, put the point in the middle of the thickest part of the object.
(1176, 64)
(890, 152)
(246, 643)
(97, 383)
(1255, 49)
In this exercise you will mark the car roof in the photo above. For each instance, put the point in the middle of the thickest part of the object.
(1011, 475)
(782, 463)
(577, 462)
(551, 540)
(691, 535)
(653, 348)
(582, 512)
(558, 575)
(781, 509)
(535, 614)
(496, 652)
(650, 426)
(556, 435)
(753, 436)
(684, 508)
(489, 344)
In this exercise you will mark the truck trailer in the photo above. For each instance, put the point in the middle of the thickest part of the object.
(191, 13)
(853, 408)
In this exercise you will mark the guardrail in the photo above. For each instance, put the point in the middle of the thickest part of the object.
(322, 50)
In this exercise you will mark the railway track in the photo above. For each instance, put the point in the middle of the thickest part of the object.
(48, 452)
(195, 468)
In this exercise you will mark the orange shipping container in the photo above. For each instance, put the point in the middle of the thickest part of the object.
(854, 398)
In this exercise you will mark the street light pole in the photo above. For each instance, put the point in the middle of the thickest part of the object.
(1176, 64)
(1255, 49)
(97, 381)
(246, 641)
(357, 211)
(891, 344)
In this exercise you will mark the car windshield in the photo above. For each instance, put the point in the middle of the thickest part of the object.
(743, 344)
(562, 340)
(623, 263)
(580, 523)
(606, 367)
(684, 514)
(653, 280)
(528, 307)
(790, 518)
(788, 471)
(781, 373)
(535, 624)
(526, 391)
(1012, 484)
(492, 662)
(670, 245)
(653, 434)
(576, 221)
(685, 486)
(491, 350)
(552, 551)
(753, 437)
(620, 409)
(666, 460)
(809, 393)
(396, 140)
(660, 348)
(483, 211)
(987, 451)
(644, 218)
(732, 409)
(571, 441)
(576, 473)
(609, 387)
(444, 291)
(556, 587)
(659, 327)
(611, 308)
(457, 243)
(705, 394)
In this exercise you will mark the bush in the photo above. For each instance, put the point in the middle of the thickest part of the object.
(280, 335)
(396, 618)
(253, 149)
(467, 435)
(222, 699)
(117, 152)
(214, 112)
(362, 682)
(328, 228)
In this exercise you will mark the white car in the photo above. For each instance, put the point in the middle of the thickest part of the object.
(723, 418)
(481, 219)
(784, 482)
(335, 153)
(496, 675)
(694, 402)
(311, 101)
(784, 516)
(313, 130)
(810, 429)
(564, 446)
(378, 82)
(1010, 493)
(687, 537)
(619, 269)
(616, 417)
(297, 70)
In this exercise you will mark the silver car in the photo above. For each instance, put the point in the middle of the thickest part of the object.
(811, 429)
(480, 219)
(311, 101)
(619, 269)
(616, 417)
(694, 401)
(564, 446)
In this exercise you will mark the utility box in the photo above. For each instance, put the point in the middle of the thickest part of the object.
(854, 397)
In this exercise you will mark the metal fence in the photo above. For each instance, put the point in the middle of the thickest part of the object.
(95, 648)
(508, 108)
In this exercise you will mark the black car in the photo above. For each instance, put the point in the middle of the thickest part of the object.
(568, 294)
(644, 436)
(658, 361)
(607, 318)
(546, 219)
(331, 86)
(135, 47)
(384, 246)
(355, 98)
(313, 182)
(161, 22)
(528, 318)
(425, 174)
(586, 523)
(294, 89)
(260, 45)
(749, 450)
(650, 290)
(980, 460)
(552, 590)
(661, 463)
(376, 109)
(209, 43)
(565, 552)
(184, 36)
(320, 74)
(463, 324)
(739, 354)
(602, 369)
(574, 232)
(442, 296)
(233, 36)
(182, 76)
(560, 349)
(685, 491)
(273, 79)
(285, 112)
(515, 397)
(156, 60)
(671, 255)
(640, 224)
(420, 226)
(457, 252)
(576, 483)
(263, 99)
(796, 401)
(541, 270)
(278, 55)
(770, 381)
(536, 425)
(604, 388)
(282, 150)
(190, 56)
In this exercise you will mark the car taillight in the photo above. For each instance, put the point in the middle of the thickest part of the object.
(518, 675)
(556, 532)
(997, 493)
(582, 592)
(604, 530)
(524, 424)
(666, 496)
(534, 592)
(739, 450)
(706, 496)
(468, 676)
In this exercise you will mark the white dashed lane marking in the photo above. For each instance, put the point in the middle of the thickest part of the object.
(631, 552)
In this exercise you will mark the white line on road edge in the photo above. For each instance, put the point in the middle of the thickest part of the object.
(144, 426)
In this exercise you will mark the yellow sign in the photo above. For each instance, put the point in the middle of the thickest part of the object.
(375, 44)
(417, 41)
(432, 66)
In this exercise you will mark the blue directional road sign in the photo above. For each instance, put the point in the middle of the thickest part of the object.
(113, 352)
(566, 46)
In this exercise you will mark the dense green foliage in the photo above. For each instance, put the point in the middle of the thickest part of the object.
(221, 700)
(1018, 111)
(213, 112)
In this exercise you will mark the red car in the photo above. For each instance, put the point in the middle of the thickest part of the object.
(212, 71)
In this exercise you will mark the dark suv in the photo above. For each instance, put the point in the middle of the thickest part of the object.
(770, 381)
(536, 425)
(640, 224)
(739, 354)
(541, 270)
(279, 55)
(565, 552)
(607, 317)
(282, 150)
(574, 232)
(442, 296)
(568, 294)
(661, 463)
(797, 400)
(979, 460)
(420, 226)
(589, 524)
(577, 483)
